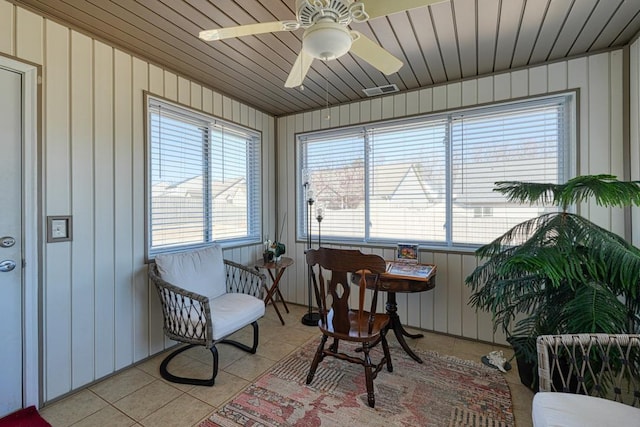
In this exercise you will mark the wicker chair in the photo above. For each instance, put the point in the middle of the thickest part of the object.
(204, 299)
(588, 379)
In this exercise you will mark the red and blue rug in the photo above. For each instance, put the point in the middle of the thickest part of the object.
(442, 391)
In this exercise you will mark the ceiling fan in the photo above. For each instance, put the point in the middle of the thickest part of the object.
(327, 35)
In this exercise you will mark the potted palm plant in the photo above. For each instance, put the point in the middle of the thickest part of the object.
(559, 272)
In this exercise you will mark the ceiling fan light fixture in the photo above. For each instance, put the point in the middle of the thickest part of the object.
(326, 40)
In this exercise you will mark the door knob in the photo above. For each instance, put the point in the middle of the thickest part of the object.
(7, 265)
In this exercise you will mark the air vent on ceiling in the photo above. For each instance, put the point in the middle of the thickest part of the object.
(380, 90)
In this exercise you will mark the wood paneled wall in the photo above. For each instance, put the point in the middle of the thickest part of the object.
(634, 131)
(99, 312)
(599, 81)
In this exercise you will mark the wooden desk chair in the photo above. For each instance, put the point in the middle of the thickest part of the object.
(338, 320)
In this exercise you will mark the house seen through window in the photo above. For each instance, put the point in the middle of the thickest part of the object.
(430, 179)
(203, 179)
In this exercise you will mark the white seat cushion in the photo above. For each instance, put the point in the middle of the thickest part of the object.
(230, 312)
(201, 271)
(576, 410)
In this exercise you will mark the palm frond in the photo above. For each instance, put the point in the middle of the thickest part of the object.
(605, 189)
(527, 192)
(594, 309)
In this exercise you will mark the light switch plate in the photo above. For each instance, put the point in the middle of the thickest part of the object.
(58, 229)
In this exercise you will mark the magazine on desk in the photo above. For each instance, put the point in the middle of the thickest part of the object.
(410, 271)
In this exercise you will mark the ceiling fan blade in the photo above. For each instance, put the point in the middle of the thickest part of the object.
(299, 70)
(374, 54)
(247, 30)
(377, 8)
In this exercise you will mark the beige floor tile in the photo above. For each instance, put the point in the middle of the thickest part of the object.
(107, 417)
(442, 344)
(141, 396)
(249, 367)
(122, 384)
(184, 411)
(523, 418)
(73, 408)
(147, 400)
(292, 336)
(275, 350)
(469, 348)
(200, 353)
(244, 335)
(152, 366)
(194, 369)
(226, 386)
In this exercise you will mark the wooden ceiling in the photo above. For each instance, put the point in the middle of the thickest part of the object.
(446, 41)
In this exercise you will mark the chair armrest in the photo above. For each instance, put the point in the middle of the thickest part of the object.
(242, 279)
(187, 315)
(602, 365)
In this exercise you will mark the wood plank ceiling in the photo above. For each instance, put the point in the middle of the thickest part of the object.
(446, 41)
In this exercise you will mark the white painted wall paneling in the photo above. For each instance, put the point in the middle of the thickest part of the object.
(104, 206)
(82, 271)
(7, 28)
(56, 302)
(634, 131)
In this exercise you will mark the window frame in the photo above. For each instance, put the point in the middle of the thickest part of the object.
(567, 165)
(253, 177)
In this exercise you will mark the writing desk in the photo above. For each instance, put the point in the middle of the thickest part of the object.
(279, 267)
(394, 283)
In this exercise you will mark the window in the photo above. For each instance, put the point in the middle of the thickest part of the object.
(430, 179)
(480, 212)
(203, 180)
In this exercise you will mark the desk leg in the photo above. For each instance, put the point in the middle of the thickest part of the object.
(396, 325)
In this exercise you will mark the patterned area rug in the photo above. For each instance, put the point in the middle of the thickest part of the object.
(442, 391)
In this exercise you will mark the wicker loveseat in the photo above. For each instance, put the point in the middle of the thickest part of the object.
(588, 380)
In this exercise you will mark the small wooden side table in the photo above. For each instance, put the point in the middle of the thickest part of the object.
(279, 267)
(393, 283)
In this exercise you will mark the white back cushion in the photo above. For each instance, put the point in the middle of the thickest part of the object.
(200, 271)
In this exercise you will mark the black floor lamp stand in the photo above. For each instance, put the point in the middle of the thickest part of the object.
(310, 318)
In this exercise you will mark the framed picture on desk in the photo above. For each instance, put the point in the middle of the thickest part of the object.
(407, 252)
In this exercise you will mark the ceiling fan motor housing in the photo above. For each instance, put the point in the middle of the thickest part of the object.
(339, 11)
(326, 36)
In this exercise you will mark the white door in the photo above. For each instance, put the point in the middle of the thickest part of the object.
(11, 232)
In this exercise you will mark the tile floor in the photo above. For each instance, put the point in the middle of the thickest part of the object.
(138, 396)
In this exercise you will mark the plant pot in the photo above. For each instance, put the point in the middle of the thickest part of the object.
(527, 368)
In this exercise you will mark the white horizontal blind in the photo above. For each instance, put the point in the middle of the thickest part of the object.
(204, 180)
(518, 143)
(178, 152)
(335, 168)
(234, 210)
(407, 186)
(430, 179)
